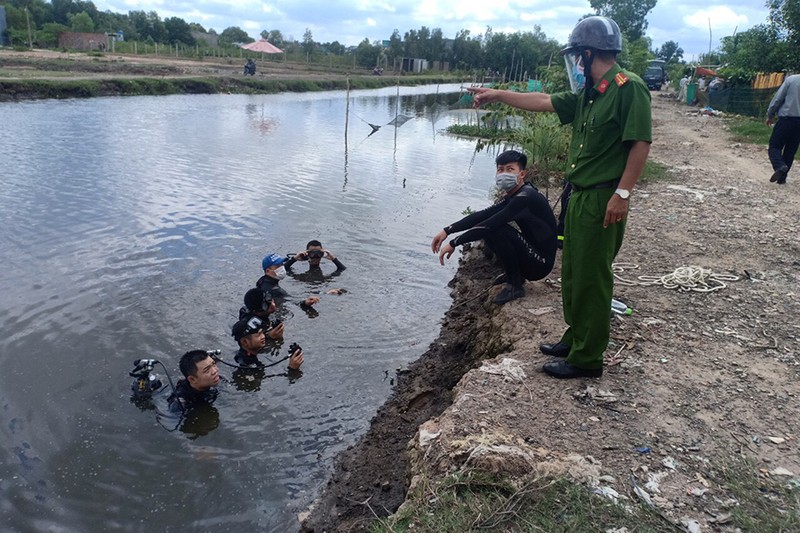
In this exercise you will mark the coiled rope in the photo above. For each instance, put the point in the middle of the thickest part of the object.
(685, 279)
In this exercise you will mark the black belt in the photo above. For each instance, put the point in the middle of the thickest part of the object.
(603, 185)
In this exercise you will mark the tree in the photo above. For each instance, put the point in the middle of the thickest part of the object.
(336, 48)
(178, 31)
(630, 15)
(308, 43)
(785, 17)
(759, 49)
(234, 34)
(81, 22)
(275, 37)
(194, 26)
(48, 35)
(395, 45)
(670, 52)
(367, 53)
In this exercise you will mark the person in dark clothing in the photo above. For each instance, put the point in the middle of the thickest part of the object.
(249, 334)
(785, 138)
(313, 254)
(261, 304)
(198, 387)
(274, 272)
(525, 254)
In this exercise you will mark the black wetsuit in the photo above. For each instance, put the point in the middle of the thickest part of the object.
(529, 252)
(243, 358)
(314, 274)
(270, 285)
(185, 398)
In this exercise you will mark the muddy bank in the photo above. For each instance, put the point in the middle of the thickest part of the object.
(371, 477)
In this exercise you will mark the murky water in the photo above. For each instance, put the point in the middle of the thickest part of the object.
(131, 227)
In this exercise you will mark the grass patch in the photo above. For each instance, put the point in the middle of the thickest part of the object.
(749, 130)
(474, 501)
(480, 132)
(653, 171)
(762, 504)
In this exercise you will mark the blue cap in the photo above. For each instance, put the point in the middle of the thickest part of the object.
(271, 259)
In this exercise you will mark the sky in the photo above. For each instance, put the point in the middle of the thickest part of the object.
(350, 21)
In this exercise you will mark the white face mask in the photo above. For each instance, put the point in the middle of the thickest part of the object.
(506, 181)
(280, 272)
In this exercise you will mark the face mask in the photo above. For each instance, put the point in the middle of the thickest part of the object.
(280, 272)
(505, 182)
(578, 74)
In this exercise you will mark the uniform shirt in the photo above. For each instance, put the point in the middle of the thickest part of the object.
(615, 114)
(786, 102)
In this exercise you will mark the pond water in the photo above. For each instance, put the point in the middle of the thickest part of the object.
(132, 227)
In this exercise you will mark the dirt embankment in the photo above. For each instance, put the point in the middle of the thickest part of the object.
(691, 379)
(38, 74)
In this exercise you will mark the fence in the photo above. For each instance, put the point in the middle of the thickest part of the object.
(742, 100)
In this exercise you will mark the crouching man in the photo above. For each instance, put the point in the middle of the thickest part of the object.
(525, 254)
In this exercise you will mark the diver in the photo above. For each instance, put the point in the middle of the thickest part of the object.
(261, 304)
(199, 386)
(274, 272)
(249, 335)
(313, 254)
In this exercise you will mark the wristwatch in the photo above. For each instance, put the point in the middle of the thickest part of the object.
(623, 193)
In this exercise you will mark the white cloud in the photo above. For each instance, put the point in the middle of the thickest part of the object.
(720, 17)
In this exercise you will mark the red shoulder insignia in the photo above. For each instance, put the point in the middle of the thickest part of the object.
(602, 87)
(621, 79)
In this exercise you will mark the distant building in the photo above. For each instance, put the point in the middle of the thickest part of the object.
(414, 64)
(211, 40)
(3, 27)
(83, 41)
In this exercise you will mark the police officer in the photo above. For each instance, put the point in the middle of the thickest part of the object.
(611, 135)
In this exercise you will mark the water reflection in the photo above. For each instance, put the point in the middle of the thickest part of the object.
(131, 229)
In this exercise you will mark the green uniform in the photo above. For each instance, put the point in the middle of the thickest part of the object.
(618, 112)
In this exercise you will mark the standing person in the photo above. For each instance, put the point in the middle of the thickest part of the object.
(785, 136)
(611, 135)
(526, 254)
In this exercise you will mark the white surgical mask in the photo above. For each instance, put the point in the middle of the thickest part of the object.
(577, 72)
(280, 272)
(505, 181)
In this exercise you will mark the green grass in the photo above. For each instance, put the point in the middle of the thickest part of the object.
(749, 130)
(478, 502)
(653, 171)
(763, 504)
(480, 132)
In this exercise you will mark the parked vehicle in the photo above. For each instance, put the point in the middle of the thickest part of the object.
(655, 75)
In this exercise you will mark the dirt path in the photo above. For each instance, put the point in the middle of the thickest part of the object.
(692, 380)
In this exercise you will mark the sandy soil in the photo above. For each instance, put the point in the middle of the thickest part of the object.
(691, 379)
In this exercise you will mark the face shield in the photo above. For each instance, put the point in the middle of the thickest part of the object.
(577, 79)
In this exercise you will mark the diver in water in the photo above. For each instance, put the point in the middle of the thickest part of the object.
(313, 255)
(199, 386)
(249, 334)
(260, 304)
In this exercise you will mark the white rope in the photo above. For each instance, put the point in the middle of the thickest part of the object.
(685, 279)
